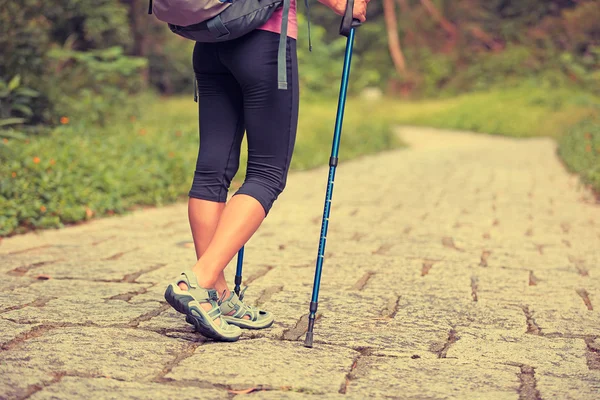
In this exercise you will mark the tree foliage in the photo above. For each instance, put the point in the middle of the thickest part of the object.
(70, 53)
(478, 43)
(80, 57)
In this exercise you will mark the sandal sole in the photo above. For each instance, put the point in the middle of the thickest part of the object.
(206, 330)
(195, 315)
(178, 301)
(239, 322)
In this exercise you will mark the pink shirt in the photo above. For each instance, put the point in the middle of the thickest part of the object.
(274, 23)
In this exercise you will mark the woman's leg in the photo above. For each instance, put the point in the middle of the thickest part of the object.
(271, 117)
(240, 219)
(204, 216)
(221, 132)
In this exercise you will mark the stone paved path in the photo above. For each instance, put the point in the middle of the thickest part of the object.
(465, 267)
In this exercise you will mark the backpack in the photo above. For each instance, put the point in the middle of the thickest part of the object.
(218, 21)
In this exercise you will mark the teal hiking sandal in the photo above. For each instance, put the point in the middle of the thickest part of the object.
(234, 305)
(188, 302)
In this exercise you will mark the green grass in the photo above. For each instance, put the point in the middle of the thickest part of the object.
(78, 171)
(518, 112)
(580, 150)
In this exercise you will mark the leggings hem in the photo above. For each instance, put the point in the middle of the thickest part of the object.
(215, 199)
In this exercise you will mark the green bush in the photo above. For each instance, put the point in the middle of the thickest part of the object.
(24, 41)
(105, 24)
(24, 38)
(170, 65)
(580, 150)
(71, 54)
(93, 82)
(15, 102)
(321, 68)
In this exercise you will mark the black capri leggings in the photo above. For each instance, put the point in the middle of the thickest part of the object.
(237, 88)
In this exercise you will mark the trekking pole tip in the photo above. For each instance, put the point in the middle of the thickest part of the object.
(238, 282)
(308, 342)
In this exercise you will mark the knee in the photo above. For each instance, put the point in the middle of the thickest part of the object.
(265, 184)
(209, 184)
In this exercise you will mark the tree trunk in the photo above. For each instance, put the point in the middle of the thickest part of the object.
(136, 13)
(485, 38)
(439, 18)
(389, 11)
(138, 31)
(404, 7)
(408, 27)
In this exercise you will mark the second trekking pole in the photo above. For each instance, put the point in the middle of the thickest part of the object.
(347, 29)
(238, 272)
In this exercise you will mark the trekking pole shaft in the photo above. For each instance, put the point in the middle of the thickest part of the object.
(342, 99)
(238, 272)
(333, 161)
(333, 164)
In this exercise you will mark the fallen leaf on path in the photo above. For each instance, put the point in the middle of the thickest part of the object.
(43, 277)
(244, 391)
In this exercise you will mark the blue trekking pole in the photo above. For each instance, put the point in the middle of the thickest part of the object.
(347, 29)
(238, 271)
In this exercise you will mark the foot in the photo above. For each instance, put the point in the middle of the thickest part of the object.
(206, 306)
(236, 312)
(201, 308)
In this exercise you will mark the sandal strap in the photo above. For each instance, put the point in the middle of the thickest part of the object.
(243, 310)
(239, 312)
(235, 307)
(200, 294)
(253, 313)
(189, 278)
(215, 313)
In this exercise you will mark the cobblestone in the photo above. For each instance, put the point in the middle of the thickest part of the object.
(465, 266)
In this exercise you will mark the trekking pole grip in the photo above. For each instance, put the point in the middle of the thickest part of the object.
(348, 23)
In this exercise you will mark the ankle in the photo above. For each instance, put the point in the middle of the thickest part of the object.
(206, 279)
(221, 290)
